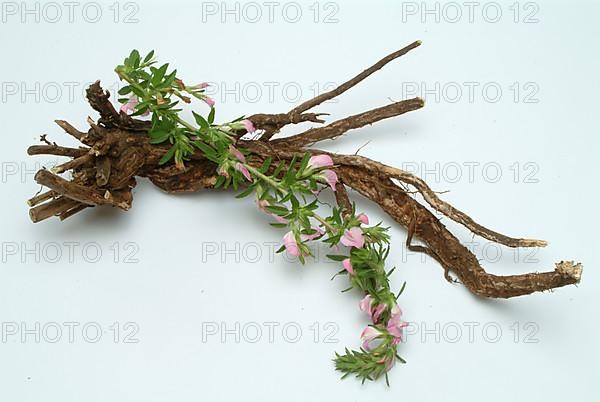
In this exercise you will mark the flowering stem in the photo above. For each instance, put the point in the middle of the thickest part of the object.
(185, 124)
(160, 91)
(274, 183)
(324, 222)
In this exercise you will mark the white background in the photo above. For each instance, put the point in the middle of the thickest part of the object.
(176, 289)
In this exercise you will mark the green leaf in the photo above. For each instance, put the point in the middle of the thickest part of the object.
(211, 115)
(157, 136)
(167, 157)
(220, 181)
(291, 172)
(201, 121)
(149, 56)
(266, 164)
(159, 75)
(278, 169)
(125, 90)
(206, 149)
(336, 257)
(401, 291)
(278, 225)
(137, 91)
(295, 202)
(170, 78)
(304, 162)
(140, 109)
(277, 210)
(134, 58)
(246, 192)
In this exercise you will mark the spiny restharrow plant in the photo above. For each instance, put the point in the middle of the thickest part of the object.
(291, 198)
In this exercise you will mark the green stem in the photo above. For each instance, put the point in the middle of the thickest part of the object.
(274, 183)
(267, 179)
(185, 124)
(324, 222)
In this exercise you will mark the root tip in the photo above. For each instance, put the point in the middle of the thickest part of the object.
(570, 269)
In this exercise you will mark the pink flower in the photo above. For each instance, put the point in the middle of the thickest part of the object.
(129, 107)
(248, 125)
(378, 311)
(395, 325)
(280, 219)
(237, 154)
(330, 178)
(209, 101)
(368, 335)
(202, 85)
(318, 161)
(363, 218)
(348, 266)
(241, 168)
(353, 238)
(289, 241)
(365, 304)
(318, 232)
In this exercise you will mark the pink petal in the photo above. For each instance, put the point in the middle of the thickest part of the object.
(378, 311)
(353, 238)
(130, 105)
(262, 204)
(209, 101)
(202, 85)
(368, 335)
(289, 241)
(280, 219)
(348, 266)
(363, 218)
(244, 171)
(237, 154)
(318, 232)
(395, 327)
(331, 178)
(396, 333)
(248, 125)
(318, 161)
(396, 310)
(365, 304)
